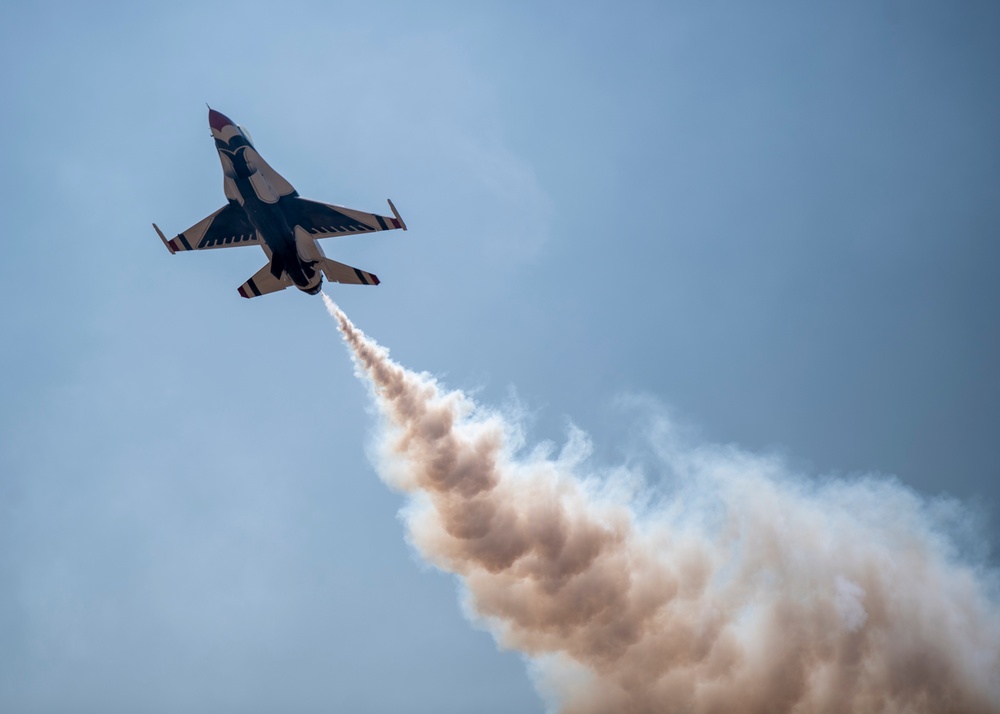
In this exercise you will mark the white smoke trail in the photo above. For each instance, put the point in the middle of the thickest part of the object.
(748, 591)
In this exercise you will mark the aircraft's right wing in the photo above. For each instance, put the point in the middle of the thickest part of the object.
(225, 228)
(323, 220)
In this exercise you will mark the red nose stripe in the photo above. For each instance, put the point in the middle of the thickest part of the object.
(218, 120)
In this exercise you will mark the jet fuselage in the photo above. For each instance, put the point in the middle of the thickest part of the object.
(266, 207)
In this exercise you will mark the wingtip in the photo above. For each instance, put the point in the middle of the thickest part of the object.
(164, 239)
(402, 223)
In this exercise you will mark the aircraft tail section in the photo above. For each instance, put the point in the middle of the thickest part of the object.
(339, 273)
(263, 282)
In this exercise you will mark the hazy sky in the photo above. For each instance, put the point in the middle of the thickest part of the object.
(777, 220)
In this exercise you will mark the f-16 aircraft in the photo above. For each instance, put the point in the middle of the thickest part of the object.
(265, 210)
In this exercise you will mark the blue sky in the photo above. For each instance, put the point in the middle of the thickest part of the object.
(778, 221)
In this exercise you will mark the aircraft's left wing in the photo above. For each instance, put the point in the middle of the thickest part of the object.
(323, 220)
(225, 228)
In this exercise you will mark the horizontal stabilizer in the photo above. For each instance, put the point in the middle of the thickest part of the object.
(339, 273)
(263, 283)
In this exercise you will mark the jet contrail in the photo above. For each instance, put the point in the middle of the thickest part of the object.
(746, 590)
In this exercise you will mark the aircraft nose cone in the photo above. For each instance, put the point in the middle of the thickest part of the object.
(218, 120)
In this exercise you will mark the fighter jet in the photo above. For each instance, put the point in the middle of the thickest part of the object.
(265, 210)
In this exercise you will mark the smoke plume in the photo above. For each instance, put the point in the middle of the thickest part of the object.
(741, 589)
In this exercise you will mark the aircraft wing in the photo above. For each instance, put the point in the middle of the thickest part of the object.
(323, 220)
(225, 228)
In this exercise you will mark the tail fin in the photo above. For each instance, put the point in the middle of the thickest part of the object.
(277, 266)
